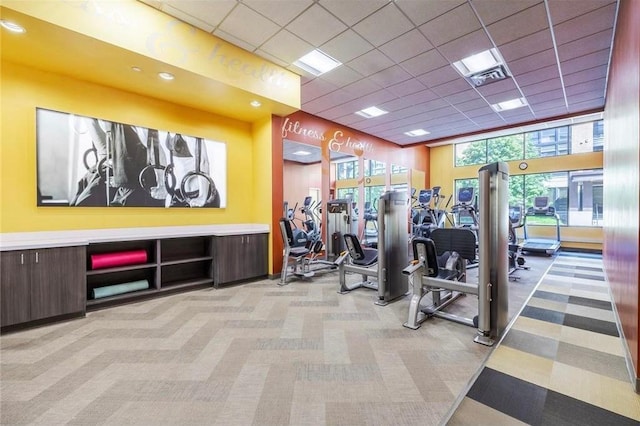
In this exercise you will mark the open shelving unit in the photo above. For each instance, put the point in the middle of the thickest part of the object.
(172, 264)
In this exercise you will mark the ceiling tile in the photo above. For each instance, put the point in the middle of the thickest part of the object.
(583, 62)
(407, 87)
(275, 60)
(235, 40)
(522, 24)
(424, 63)
(592, 86)
(561, 11)
(526, 46)
(346, 46)
(467, 45)
(370, 63)
(440, 76)
(390, 76)
(406, 46)
(456, 86)
(316, 88)
(352, 11)
(490, 11)
(585, 75)
(286, 46)
(417, 11)
(329, 101)
(543, 86)
(586, 45)
(452, 25)
(532, 62)
(361, 87)
(536, 76)
(210, 12)
(388, 18)
(464, 96)
(279, 11)
(484, 110)
(544, 97)
(410, 100)
(196, 22)
(341, 76)
(248, 25)
(472, 105)
(584, 25)
(316, 25)
(557, 103)
(587, 105)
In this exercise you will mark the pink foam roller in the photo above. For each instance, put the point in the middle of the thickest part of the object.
(120, 258)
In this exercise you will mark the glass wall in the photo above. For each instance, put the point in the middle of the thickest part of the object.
(574, 139)
(576, 195)
(347, 170)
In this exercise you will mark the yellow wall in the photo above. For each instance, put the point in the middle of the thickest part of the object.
(443, 172)
(24, 89)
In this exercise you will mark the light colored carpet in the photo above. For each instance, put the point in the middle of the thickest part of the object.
(248, 354)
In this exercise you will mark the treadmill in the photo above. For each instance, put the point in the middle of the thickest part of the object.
(546, 246)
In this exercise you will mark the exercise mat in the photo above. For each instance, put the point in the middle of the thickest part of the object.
(118, 258)
(113, 290)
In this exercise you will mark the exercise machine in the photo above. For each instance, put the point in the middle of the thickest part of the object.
(447, 276)
(302, 262)
(369, 236)
(516, 259)
(341, 220)
(548, 246)
(380, 268)
(464, 212)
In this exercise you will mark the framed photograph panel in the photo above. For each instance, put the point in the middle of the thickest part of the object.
(90, 162)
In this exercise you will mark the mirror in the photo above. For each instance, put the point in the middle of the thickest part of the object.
(302, 178)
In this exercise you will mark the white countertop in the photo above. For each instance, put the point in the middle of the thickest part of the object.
(47, 239)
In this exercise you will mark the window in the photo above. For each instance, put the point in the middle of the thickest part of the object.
(585, 198)
(598, 135)
(397, 169)
(372, 193)
(471, 153)
(547, 142)
(374, 168)
(505, 148)
(344, 193)
(347, 170)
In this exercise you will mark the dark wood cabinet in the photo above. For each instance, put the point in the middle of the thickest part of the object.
(240, 257)
(42, 283)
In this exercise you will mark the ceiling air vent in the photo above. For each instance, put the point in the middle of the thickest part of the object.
(491, 75)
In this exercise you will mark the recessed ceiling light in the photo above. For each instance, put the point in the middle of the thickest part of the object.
(255, 104)
(12, 26)
(136, 69)
(302, 153)
(166, 75)
(417, 132)
(317, 62)
(371, 112)
(479, 62)
(510, 104)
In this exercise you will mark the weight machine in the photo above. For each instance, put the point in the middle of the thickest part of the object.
(381, 268)
(445, 278)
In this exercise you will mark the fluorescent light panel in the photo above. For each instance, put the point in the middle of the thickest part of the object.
(317, 62)
(371, 112)
(479, 62)
(510, 104)
(301, 152)
(417, 132)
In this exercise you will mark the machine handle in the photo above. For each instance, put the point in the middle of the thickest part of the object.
(412, 268)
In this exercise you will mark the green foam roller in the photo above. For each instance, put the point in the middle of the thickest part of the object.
(113, 290)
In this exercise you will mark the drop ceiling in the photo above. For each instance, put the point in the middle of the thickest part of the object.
(397, 55)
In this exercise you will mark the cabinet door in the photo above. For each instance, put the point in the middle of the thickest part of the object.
(14, 280)
(57, 281)
(256, 252)
(229, 259)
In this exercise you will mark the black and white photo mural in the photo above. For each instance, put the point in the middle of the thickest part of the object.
(85, 161)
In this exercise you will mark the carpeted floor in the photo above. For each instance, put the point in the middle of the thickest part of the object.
(248, 354)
